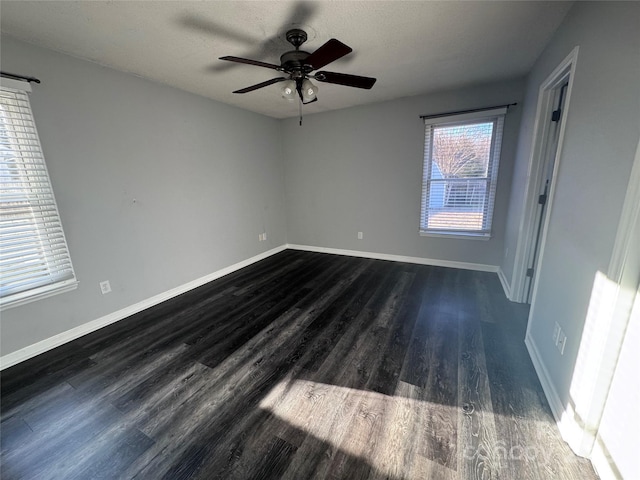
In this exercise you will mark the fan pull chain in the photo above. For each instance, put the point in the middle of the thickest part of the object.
(300, 110)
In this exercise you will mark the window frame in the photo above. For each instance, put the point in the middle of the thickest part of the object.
(58, 282)
(495, 116)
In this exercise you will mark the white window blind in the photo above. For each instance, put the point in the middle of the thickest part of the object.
(460, 170)
(34, 258)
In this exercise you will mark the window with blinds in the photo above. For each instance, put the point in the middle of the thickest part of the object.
(461, 156)
(34, 258)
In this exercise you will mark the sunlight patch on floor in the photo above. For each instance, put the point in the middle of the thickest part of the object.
(385, 431)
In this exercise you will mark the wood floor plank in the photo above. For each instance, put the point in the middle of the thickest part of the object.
(478, 442)
(342, 384)
(432, 365)
(254, 379)
(15, 433)
(60, 440)
(304, 365)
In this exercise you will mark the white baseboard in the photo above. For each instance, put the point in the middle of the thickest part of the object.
(566, 418)
(557, 408)
(505, 284)
(398, 258)
(603, 463)
(50, 343)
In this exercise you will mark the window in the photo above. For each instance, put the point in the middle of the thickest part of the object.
(34, 259)
(461, 155)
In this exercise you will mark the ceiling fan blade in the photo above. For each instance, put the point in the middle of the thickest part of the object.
(251, 62)
(327, 53)
(345, 79)
(260, 85)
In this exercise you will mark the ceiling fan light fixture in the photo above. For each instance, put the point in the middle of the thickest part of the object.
(289, 90)
(309, 90)
(297, 66)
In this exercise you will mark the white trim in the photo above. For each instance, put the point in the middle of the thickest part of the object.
(25, 353)
(598, 357)
(628, 218)
(398, 258)
(602, 463)
(627, 237)
(526, 229)
(557, 407)
(495, 117)
(457, 236)
(505, 283)
(45, 291)
(37, 285)
(564, 416)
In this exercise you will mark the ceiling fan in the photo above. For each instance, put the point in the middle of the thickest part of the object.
(298, 65)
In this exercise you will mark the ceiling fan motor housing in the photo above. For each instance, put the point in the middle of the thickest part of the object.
(294, 62)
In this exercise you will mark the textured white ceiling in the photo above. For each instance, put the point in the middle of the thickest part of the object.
(411, 47)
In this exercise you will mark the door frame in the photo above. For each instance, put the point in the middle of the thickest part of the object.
(601, 353)
(564, 72)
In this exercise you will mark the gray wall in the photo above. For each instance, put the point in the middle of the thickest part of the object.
(204, 188)
(601, 136)
(360, 169)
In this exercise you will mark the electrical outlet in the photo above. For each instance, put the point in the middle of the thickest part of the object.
(359, 235)
(264, 236)
(556, 333)
(105, 287)
(562, 341)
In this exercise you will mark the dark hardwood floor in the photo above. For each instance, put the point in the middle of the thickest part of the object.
(301, 366)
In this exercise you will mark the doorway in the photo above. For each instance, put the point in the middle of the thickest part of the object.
(549, 160)
(553, 106)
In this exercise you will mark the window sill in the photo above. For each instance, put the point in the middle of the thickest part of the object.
(29, 296)
(457, 235)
